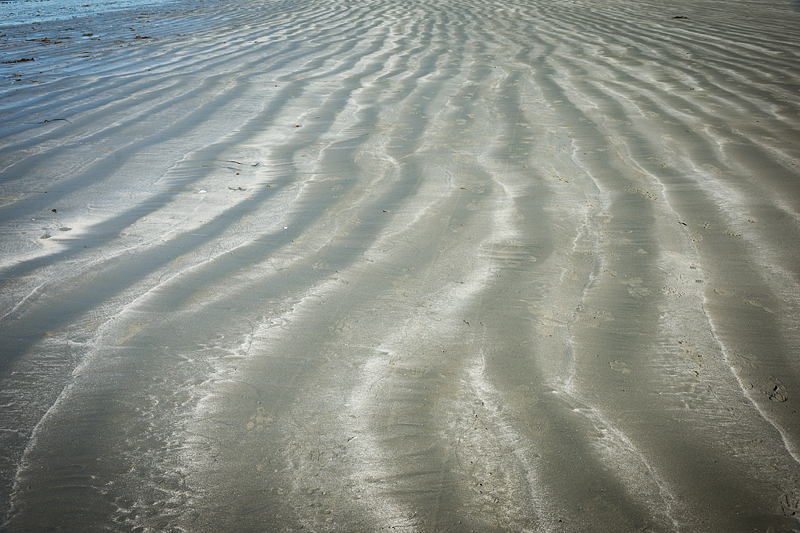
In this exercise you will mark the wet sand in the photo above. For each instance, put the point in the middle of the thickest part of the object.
(415, 266)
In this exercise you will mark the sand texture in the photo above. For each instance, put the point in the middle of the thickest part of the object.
(402, 265)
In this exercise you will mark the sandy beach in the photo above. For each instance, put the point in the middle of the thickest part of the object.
(402, 265)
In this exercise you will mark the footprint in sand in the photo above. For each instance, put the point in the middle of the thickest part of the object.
(258, 420)
(777, 392)
(342, 326)
(636, 289)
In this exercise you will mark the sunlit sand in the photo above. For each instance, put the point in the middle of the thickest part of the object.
(419, 266)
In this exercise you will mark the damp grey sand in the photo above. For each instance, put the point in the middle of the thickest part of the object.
(409, 265)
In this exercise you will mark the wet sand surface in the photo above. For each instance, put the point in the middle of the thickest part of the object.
(361, 266)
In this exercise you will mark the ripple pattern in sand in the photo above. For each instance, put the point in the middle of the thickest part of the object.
(417, 266)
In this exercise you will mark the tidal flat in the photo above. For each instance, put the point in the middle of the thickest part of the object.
(402, 265)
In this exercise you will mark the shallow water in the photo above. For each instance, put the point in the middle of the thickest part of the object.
(454, 267)
(26, 12)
